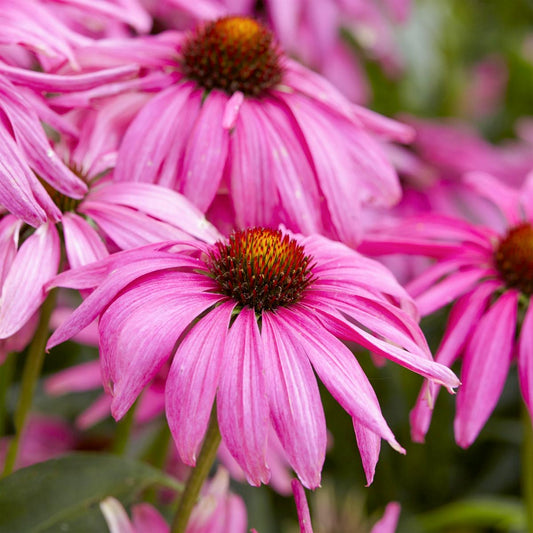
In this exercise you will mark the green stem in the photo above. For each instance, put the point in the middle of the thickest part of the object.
(527, 468)
(122, 433)
(7, 369)
(198, 475)
(30, 376)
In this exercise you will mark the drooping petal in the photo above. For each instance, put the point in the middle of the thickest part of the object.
(253, 192)
(36, 262)
(304, 517)
(485, 366)
(465, 314)
(295, 404)
(115, 516)
(205, 153)
(369, 444)
(525, 358)
(135, 337)
(193, 380)
(83, 245)
(339, 370)
(9, 237)
(242, 402)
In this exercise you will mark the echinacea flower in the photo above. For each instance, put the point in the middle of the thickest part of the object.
(103, 217)
(488, 276)
(247, 320)
(278, 141)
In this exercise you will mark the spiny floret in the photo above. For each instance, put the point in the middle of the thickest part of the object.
(261, 268)
(232, 54)
(514, 258)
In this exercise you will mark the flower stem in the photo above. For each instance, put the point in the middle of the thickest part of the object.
(7, 369)
(30, 376)
(527, 468)
(198, 475)
(122, 433)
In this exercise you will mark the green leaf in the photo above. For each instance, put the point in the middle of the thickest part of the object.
(502, 514)
(63, 494)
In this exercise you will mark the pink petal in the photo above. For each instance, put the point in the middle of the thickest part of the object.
(205, 153)
(465, 314)
(525, 358)
(135, 337)
(36, 262)
(369, 444)
(339, 370)
(115, 516)
(82, 377)
(193, 380)
(147, 142)
(389, 521)
(9, 238)
(253, 190)
(147, 519)
(242, 404)
(295, 404)
(304, 517)
(485, 366)
(158, 202)
(108, 288)
(83, 245)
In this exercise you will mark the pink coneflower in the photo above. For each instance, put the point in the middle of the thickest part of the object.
(487, 274)
(279, 141)
(311, 31)
(254, 315)
(106, 216)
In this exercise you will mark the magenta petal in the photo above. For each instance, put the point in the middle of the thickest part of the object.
(369, 444)
(253, 191)
(9, 238)
(339, 370)
(83, 245)
(147, 142)
(193, 380)
(242, 404)
(205, 153)
(37, 261)
(302, 508)
(96, 302)
(147, 519)
(485, 366)
(295, 404)
(135, 337)
(464, 315)
(525, 358)
(158, 202)
(448, 290)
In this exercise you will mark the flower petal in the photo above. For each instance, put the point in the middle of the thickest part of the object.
(242, 403)
(193, 380)
(485, 366)
(295, 404)
(36, 262)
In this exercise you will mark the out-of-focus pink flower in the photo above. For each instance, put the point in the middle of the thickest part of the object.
(485, 89)
(389, 521)
(487, 275)
(44, 437)
(147, 298)
(278, 139)
(217, 511)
